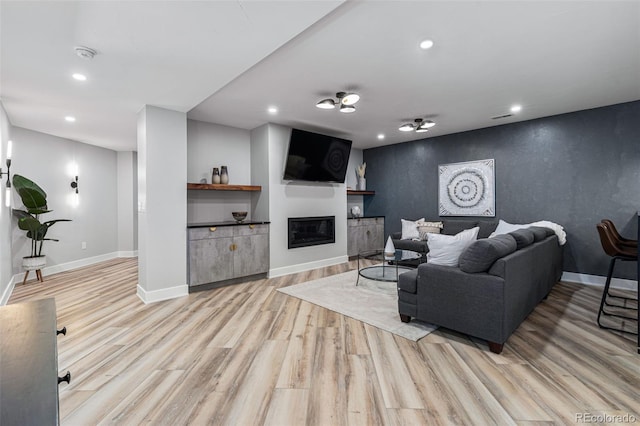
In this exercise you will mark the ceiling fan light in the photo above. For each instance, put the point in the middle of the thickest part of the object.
(407, 127)
(326, 104)
(427, 124)
(350, 99)
(421, 130)
(347, 108)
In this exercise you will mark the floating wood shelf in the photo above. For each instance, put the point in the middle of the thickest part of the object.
(221, 187)
(354, 192)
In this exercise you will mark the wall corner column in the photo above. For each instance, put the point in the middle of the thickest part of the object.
(162, 204)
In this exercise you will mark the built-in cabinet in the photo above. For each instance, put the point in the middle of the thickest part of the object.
(218, 254)
(364, 234)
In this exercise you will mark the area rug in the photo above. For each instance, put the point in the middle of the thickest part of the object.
(372, 302)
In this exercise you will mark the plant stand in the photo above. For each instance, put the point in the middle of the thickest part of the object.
(33, 264)
(38, 276)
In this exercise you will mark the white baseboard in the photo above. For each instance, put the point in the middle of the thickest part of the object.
(164, 294)
(597, 280)
(7, 292)
(301, 267)
(133, 253)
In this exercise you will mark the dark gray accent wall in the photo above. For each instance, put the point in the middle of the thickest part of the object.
(573, 169)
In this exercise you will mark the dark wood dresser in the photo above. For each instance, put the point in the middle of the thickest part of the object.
(29, 364)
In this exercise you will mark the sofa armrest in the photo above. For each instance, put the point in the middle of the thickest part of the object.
(469, 303)
(396, 235)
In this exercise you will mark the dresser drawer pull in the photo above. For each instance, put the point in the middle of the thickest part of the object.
(63, 331)
(65, 378)
(252, 226)
(213, 229)
(233, 247)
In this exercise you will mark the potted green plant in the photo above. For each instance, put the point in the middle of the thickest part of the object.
(34, 200)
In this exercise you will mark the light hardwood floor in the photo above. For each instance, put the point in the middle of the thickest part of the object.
(249, 355)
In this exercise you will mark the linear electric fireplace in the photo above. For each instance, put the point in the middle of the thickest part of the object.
(311, 231)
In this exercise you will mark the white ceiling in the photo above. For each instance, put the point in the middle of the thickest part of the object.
(226, 61)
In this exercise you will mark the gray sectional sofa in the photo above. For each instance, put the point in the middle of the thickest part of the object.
(498, 283)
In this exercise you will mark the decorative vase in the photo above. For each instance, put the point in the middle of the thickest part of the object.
(224, 175)
(215, 177)
(389, 250)
(362, 184)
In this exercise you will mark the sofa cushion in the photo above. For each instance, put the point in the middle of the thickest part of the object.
(446, 249)
(481, 254)
(453, 227)
(540, 232)
(410, 228)
(523, 237)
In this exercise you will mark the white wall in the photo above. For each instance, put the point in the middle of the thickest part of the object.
(260, 170)
(212, 145)
(301, 199)
(45, 159)
(162, 198)
(127, 203)
(6, 272)
(355, 159)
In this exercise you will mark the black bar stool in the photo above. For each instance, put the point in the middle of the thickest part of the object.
(613, 247)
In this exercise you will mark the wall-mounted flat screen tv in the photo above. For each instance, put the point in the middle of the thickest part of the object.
(316, 158)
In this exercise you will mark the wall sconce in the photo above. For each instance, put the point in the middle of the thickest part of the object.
(7, 194)
(74, 184)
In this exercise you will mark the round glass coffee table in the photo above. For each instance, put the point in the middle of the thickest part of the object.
(389, 269)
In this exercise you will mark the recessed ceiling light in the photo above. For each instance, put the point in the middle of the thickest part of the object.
(426, 44)
(70, 118)
(79, 77)
(516, 108)
(272, 110)
(380, 136)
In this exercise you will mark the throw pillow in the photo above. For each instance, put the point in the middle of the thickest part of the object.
(483, 253)
(446, 249)
(427, 228)
(506, 227)
(410, 229)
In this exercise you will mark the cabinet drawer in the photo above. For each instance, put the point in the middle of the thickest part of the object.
(212, 232)
(246, 230)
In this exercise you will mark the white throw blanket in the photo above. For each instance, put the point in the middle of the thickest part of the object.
(559, 230)
(505, 227)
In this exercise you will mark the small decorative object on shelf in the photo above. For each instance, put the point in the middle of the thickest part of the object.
(239, 216)
(389, 250)
(224, 175)
(355, 212)
(362, 182)
(215, 177)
